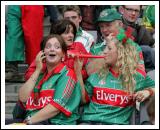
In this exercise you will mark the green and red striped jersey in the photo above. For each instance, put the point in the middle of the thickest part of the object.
(62, 91)
(109, 103)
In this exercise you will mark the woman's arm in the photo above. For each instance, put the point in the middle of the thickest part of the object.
(26, 89)
(78, 68)
(47, 112)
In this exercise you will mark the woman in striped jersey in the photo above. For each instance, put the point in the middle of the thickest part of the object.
(111, 92)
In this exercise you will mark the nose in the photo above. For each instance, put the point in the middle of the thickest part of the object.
(133, 12)
(52, 48)
(71, 35)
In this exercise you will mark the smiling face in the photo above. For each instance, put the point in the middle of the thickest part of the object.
(107, 28)
(53, 51)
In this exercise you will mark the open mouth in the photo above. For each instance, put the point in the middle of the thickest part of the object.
(70, 40)
(52, 55)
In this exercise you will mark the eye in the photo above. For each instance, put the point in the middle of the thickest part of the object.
(48, 46)
(57, 47)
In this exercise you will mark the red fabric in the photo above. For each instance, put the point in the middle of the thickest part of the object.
(31, 69)
(45, 97)
(76, 47)
(48, 75)
(32, 24)
(112, 97)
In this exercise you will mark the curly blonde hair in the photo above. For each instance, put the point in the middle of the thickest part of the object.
(127, 62)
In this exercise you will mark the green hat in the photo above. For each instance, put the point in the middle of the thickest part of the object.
(109, 15)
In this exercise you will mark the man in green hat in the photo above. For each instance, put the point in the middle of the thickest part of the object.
(109, 21)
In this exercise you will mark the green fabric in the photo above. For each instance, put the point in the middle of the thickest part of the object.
(71, 104)
(149, 14)
(97, 48)
(85, 38)
(143, 83)
(79, 32)
(67, 94)
(109, 15)
(109, 114)
(14, 44)
(121, 35)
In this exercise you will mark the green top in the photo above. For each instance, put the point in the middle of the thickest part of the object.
(63, 92)
(109, 103)
(85, 38)
(97, 48)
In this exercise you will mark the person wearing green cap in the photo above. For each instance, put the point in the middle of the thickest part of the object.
(111, 92)
(110, 21)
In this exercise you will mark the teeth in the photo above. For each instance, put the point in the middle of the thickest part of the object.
(52, 55)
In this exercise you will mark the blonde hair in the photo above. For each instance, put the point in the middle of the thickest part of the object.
(127, 62)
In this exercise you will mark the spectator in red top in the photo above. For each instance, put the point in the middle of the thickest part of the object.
(32, 24)
(67, 30)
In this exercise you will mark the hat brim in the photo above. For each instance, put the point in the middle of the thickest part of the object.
(107, 20)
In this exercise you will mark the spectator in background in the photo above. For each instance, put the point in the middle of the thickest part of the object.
(14, 43)
(149, 18)
(32, 24)
(73, 13)
(98, 10)
(130, 14)
(88, 16)
(53, 12)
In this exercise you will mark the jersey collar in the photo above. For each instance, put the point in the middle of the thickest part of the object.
(115, 74)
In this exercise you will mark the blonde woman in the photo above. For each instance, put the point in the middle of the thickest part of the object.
(111, 91)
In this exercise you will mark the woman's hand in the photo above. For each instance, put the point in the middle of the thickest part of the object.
(39, 60)
(141, 96)
(78, 64)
